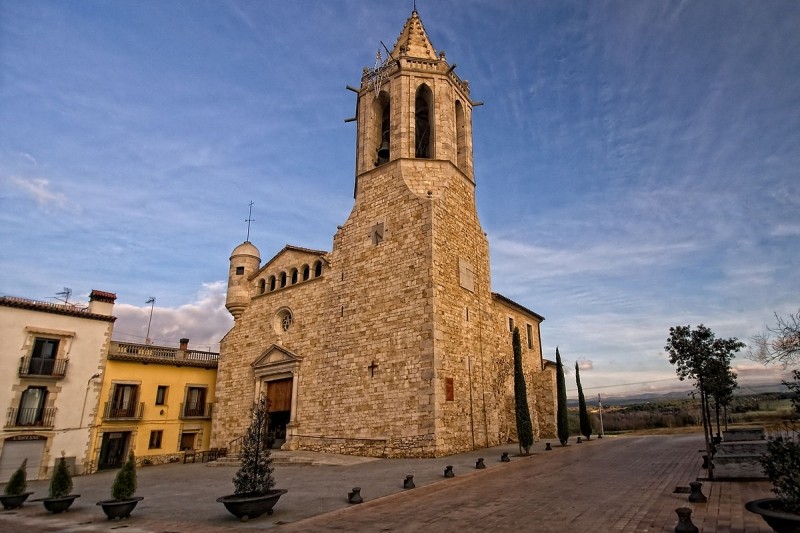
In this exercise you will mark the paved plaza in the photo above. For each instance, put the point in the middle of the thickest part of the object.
(612, 484)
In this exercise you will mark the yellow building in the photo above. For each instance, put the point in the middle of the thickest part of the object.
(155, 401)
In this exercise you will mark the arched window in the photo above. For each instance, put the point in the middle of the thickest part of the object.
(271, 283)
(262, 286)
(294, 276)
(283, 279)
(461, 137)
(423, 111)
(317, 269)
(383, 127)
(306, 272)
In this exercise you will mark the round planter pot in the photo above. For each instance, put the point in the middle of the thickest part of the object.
(12, 501)
(59, 505)
(119, 508)
(771, 511)
(247, 506)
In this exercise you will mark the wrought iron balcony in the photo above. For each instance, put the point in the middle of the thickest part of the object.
(134, 411)
(196, 411)
(42, 367)
(30, 417)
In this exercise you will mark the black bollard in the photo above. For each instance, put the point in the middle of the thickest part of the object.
(354, 496)
(448, 471)
(504, 458)
(547, 447)
(408, 483)
(685, 524)
(696, 495)
(579, 440)
(479, 464)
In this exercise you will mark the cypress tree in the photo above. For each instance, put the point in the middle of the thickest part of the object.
(255, 474)
(61, 483)
(586, 424)
(124, 485)
(524, 424)
(562, 418)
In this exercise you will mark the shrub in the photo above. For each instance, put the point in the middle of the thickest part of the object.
(255, 474)
(125, 483)
(781, 464)
(61, 484)
(18, 481)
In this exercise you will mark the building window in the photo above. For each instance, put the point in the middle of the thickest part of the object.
(262, 286)
(306, 272)
(317, 269)
(294, 276)
(188, 441)
(155, 438)
(423, 105)
(529, 328)
(161, 395)
(384, 127)
(286, 322)
(31, 407)
(449, 390)
(283, 279)
(43, 357)
(240, 271)
(195, 402)
(461, 137)
(272, 283)
(123, 401)
(511, 324)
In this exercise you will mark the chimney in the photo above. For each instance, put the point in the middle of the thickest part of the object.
(101, 302)
(184, 344)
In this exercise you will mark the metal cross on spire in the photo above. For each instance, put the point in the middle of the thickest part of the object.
(249, 220)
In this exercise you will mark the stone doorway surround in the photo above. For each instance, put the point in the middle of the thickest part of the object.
(274, 364)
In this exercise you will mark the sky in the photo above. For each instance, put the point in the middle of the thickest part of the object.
(636, 162)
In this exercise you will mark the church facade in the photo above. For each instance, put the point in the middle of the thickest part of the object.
(392, 343)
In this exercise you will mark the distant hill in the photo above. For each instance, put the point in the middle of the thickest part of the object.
(644, 397)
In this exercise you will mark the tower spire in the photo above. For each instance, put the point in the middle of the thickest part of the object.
(413, 41)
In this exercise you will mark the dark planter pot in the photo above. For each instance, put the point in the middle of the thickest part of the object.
(59, 505)
(247, 506)
(771, 511)
(119, 508)
(12, 501)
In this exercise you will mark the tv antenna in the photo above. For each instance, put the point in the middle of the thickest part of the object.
(249, 220)
(65, 294)
(152, 302)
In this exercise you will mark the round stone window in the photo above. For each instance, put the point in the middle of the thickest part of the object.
(283, 321)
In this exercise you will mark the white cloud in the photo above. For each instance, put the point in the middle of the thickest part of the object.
(585, 364)
(204, 321)
(39, 189)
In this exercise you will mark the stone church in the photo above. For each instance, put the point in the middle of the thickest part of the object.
(392, 343)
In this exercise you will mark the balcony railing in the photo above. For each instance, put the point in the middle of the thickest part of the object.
(196, 411)
(39, 366)
(30, 417)
(133, 411)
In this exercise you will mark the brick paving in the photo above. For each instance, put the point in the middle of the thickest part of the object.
(614, 484)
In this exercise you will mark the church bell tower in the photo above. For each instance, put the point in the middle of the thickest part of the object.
(410, 266)
(412, 105)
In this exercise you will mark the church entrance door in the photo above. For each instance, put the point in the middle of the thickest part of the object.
(279, 393)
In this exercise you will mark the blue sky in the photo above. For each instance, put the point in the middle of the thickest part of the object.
(637, 162)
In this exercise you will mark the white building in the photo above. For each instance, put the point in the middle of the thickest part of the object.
(53, 355)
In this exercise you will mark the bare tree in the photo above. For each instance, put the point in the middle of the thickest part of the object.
(780, 343)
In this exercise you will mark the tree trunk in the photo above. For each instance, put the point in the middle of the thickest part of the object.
(706, 429)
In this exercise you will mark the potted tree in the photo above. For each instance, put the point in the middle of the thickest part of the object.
(122, 492)
(254, 494)
(781, 464)
(14, 494)
(60, 487)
